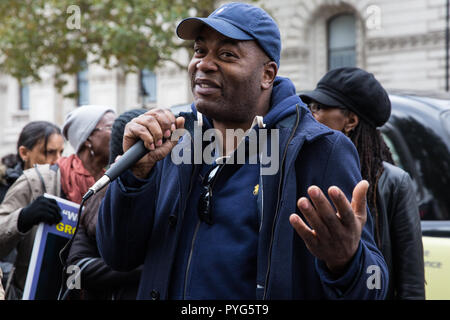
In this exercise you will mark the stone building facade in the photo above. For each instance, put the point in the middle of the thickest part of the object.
(403, 42)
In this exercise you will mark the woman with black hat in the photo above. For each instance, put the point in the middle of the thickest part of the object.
(352, 101)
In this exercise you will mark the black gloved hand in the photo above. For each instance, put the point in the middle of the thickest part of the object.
(40, 210)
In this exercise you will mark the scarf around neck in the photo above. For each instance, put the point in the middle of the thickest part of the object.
(75, 179)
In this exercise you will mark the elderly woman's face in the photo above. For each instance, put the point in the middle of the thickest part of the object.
(101, 135)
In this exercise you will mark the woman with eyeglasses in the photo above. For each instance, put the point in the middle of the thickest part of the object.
(352, 101)
(87, 128)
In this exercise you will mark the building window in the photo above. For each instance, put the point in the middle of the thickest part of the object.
(341, 41)
(24, 96)
(147, 91)
(83, 85)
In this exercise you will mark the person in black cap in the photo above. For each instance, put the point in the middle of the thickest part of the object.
(352, 101)
(223, 230)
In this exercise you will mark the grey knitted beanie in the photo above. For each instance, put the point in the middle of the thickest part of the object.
(80, 122)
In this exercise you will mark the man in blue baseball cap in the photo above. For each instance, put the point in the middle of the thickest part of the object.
(227, 230)
(245, 44)
(238, 21)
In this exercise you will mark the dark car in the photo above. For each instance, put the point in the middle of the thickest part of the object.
(418, 134)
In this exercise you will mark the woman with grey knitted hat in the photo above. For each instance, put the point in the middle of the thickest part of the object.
(99, 281)
(88, 129)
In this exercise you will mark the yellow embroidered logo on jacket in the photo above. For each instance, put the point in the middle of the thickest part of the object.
(256, 190)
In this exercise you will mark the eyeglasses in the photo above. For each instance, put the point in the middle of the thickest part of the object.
(315, 107)
(106, 128)
(204, 203)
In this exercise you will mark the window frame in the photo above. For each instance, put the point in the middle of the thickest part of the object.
(147, 98)
(22, 86)
(81, 100)
(329, 21)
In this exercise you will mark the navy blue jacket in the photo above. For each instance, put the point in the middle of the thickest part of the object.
(142, 225)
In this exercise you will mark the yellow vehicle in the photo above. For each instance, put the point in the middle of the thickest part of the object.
(436, 245)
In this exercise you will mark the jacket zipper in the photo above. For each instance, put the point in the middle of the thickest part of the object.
(189, 259)
(261, 189)
(278, 205)
(193, 241)
(185, 203)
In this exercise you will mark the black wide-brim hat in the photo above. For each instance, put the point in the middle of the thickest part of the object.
(354, 89)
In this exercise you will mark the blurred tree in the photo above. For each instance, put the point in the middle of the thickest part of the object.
(126, 34)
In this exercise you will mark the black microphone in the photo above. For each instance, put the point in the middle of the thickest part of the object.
(128, 159)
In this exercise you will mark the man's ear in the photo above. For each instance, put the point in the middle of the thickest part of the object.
(269, 74)
(351, 123)
(24, 153)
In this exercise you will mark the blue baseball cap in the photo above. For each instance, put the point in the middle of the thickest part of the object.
(239, 21)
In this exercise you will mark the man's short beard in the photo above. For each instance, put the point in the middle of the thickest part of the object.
(240, 112)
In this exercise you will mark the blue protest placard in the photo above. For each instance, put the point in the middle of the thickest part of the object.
(45, 269)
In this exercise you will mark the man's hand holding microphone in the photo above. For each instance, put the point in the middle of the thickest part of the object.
(154, 128)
